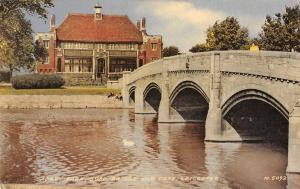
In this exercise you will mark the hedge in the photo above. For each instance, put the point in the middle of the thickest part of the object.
(37, 81)
(4, 76)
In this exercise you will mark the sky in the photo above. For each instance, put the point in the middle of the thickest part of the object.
(182, 23)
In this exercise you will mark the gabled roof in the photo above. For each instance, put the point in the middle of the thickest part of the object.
(112, 28)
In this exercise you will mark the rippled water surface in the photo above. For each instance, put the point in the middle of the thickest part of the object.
(114, 148)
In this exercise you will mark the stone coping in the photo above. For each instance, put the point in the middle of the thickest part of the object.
(58, 101)
(32, 186)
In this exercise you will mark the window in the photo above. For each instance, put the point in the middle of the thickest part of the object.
(154, 46)
(118, 65)
(47, 60)
(98, 16)
(46, 44)
(154, 58)
(78, 65)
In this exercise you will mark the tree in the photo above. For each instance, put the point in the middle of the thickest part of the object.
(199, 48)
(224, 35)
(16, 41)
(40, 52)
(36, 7)
(170, 51)
(16, 35)
(227, 35)
(282, 32)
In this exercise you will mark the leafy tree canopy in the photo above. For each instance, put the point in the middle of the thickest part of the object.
(227, 35)
(282, 32)
(170, 51)
(224, 35)
(199, 48)
(32, 7)
(16, 41)
(40, 52)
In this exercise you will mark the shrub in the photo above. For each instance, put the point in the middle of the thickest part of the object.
(4, 76)
(37, 81)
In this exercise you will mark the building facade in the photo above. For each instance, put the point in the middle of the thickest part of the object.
(97, 46)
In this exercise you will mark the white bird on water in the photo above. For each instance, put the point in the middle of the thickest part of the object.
(128, 143)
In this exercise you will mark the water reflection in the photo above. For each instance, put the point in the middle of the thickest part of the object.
(84, 147)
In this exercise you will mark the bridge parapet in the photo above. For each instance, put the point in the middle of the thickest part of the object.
(199, 61)
(283, 66)
(146, 70)
(189, 62)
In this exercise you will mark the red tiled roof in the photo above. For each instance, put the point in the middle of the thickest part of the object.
(112, 28)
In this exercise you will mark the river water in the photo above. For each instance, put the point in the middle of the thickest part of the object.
(114, 148)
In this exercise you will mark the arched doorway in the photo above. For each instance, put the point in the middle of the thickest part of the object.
(100, 68)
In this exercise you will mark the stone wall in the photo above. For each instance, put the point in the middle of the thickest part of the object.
(58, 101)
(78, 79)
(113, 85)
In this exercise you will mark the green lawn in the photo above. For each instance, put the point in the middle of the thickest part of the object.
(6, 90)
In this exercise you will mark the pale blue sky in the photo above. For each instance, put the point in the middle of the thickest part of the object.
(181, 22)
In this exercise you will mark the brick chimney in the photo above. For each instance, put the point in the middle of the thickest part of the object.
(98, 12)
(138, 25)
(52, 23)
(143, 25)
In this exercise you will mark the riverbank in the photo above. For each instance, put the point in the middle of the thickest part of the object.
(8, 90)
(29, 186)
(59, 101)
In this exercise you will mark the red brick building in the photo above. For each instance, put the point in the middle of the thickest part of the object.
(98, 46)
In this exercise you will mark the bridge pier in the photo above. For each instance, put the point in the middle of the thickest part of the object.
(164, 107)
(213, 125)
(125, 94)
(216, 128)
(141, 106)
(294, 141)
(139, 100)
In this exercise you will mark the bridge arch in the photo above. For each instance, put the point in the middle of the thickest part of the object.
(253, 94)
(184, 85)
(150, 87)
(152, 97)
(131, 93)
(255, 114)
(274, 94)
(188, 102)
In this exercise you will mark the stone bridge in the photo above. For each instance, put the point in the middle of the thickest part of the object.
(240, 95)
